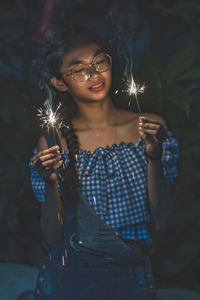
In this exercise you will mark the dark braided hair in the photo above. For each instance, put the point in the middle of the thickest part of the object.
(64, 42)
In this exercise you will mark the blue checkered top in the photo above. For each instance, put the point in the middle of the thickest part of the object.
(114, 181)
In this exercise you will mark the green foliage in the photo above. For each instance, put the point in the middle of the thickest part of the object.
(169, 82)
(178, 65)
(169, 93)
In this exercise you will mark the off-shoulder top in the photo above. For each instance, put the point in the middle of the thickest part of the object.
(114, 181)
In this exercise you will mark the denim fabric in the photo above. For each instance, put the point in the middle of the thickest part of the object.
(95, 234)
(88, 277)
(92, 262)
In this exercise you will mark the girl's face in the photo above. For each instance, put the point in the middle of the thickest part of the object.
(93, 89)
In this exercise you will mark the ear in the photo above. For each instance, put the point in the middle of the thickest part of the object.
(59, 84)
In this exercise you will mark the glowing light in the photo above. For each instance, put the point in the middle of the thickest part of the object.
(134, 89)
(86, 77)
(50, 119)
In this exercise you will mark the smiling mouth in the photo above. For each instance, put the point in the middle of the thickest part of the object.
(97, 87)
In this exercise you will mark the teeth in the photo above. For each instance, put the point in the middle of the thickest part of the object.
(98, 85)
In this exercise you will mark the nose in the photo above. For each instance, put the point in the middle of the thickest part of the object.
(92, 71)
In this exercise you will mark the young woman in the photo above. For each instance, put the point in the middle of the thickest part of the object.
(120, 167)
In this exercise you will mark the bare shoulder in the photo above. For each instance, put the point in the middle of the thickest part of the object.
(155, 117)
(127, 117)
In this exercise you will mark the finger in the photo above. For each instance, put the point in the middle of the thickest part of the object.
(147, 120)
(50, 162)
(152, 132)
(46, 151)
(54, 166)
(58, 165)
(50, 156)
(149, 126)
(40, 162)
(149, 136)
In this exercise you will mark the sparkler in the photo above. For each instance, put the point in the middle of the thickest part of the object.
(134, 89)
(50, 119)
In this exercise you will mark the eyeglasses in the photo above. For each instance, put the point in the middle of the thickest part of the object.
(82, 72)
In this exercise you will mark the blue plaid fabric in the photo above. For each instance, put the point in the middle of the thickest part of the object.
(114, 183)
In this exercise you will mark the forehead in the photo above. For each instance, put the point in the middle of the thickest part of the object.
(83, 53)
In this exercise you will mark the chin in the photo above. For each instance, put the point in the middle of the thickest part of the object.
(100, 96)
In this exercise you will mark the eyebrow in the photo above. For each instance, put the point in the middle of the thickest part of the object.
(76, 62)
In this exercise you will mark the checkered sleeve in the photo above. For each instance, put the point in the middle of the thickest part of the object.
(170, 157)
(38, 184)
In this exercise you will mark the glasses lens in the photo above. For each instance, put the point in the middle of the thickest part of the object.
(102, 62)
(80, 72)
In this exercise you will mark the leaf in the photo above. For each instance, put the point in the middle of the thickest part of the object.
(194, 73)
(150, 68)
(180, 98)
(179, 64)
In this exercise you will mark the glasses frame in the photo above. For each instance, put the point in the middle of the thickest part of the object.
(89, 66)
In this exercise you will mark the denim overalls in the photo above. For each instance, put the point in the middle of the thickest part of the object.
(93, 263)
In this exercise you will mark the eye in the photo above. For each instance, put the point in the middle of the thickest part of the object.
(100, 61)
(78, 71)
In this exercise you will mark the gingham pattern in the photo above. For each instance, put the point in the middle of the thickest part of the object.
(114, 183)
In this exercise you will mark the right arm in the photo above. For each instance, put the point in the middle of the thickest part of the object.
(52, 209)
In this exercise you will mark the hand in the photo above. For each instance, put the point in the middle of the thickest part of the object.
(154, 134)
(46, 163)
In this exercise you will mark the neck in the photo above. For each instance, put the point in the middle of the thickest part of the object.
(98, 114)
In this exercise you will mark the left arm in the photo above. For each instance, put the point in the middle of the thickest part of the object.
(154, 132)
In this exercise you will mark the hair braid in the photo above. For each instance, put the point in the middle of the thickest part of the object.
(62, 43)
(71, 180)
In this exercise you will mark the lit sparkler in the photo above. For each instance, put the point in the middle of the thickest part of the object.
(50, 119)
(134, 89)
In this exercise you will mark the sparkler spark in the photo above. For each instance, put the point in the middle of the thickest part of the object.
(51, 119)
(134, 89)
(48, 117)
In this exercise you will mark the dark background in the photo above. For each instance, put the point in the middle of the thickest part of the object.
(162, 38)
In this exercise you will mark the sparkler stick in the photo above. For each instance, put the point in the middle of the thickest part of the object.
(53, 120)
